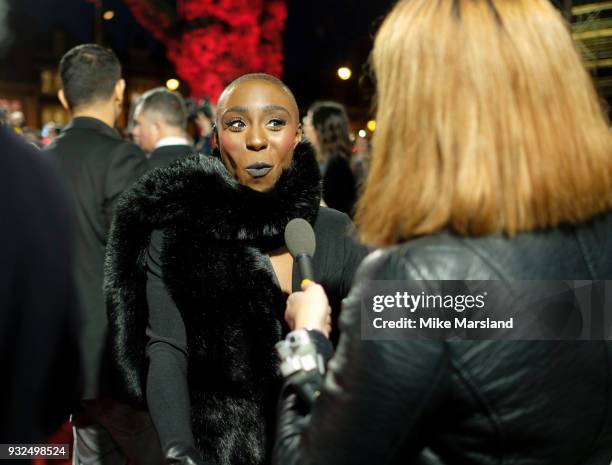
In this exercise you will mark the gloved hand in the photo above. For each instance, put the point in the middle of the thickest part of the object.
(183, 455)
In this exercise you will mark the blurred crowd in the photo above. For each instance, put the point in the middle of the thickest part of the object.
(343, 161)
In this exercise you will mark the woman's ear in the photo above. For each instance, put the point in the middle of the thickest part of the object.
(214, 136)
(298, 135)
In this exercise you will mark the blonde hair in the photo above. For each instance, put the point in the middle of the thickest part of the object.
(487, 123)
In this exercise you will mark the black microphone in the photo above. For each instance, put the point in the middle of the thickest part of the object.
(300, 240)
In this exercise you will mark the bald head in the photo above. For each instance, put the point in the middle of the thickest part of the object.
(257, 123)
(265, 79)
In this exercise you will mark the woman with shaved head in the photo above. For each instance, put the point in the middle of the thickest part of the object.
(198, 275)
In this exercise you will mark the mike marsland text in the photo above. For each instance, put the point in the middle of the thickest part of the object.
(440, 323)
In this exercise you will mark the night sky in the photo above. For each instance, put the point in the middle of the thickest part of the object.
(319, 37)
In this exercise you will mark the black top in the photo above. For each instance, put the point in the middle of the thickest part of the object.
(39, 314)
(336, 259)
(339, 186)
(477, 402)
(98, 166)
(166, 154)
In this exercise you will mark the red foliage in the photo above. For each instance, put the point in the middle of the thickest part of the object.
(236, 37)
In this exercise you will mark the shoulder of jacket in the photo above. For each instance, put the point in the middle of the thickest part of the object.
(438, 257)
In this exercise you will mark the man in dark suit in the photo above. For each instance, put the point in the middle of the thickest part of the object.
(160, 122)
(39, 312)
(98, 166)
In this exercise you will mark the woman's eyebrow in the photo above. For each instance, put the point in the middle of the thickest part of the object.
(271, 108)
(236, 109)
(266, 109)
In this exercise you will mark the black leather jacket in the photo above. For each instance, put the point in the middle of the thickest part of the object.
(468, 402)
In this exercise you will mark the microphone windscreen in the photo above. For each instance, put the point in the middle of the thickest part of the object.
(300, 238)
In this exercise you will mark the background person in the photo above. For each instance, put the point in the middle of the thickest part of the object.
(40, 315)
(160, 121)
(326, 126)
(98, 166)
(16, 121)
(204, 118)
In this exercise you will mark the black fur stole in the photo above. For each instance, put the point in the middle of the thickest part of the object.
(216, 234)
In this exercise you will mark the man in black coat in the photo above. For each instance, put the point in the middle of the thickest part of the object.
(39, 312)
(98, 166)
(160, 126)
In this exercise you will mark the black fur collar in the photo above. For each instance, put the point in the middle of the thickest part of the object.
(200, 190)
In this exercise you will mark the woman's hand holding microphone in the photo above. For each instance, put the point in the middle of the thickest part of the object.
(309, 309)
(305, 350)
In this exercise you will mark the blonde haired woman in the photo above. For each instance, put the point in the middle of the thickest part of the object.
(491, 161)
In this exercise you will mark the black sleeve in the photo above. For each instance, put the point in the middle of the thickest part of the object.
(354, 253)
(337, 258)
(167, 389)
(375, 397)
(127, 165)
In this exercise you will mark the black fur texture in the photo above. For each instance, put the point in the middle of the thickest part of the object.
(216, 232)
